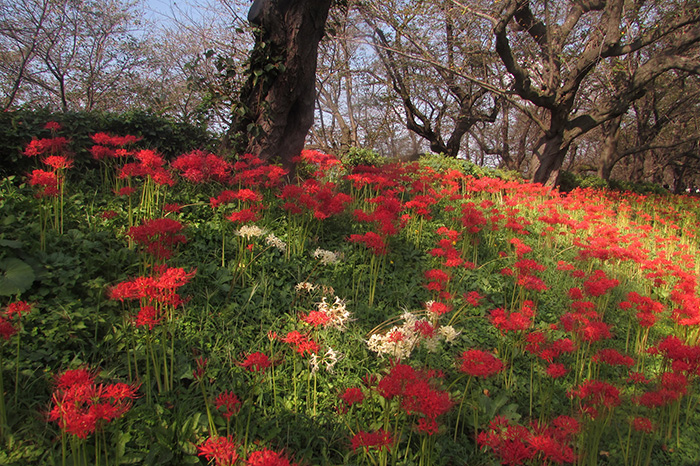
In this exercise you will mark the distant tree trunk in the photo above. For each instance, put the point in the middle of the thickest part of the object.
(278, 99)
(550, 151)
(608, 155)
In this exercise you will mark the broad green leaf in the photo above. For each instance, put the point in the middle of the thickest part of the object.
(17, 276)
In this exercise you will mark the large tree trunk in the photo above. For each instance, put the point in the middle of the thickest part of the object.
(550, 151)
(608, 156)
(278, 98)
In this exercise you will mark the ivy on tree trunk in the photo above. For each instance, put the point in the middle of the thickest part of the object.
(276, 107)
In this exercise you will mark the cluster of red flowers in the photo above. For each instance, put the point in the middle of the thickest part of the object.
(595, 395)
(154, 293)
(478, 363)
(229, 402)
(352, 395)
(46, 146)
(417, 393)
(150, 165)
(321, 161)
(473, 219)
(301, 343)
(81, 405)
(7, 328)
(266, 457)
(437, 280)
(322, 199)
(108, 147)
(202, 167)
(380, 439)
(447, 251)
(515, 444)
(48, 181)
(539, 345)
(516, 321)
(223, 451)
(158, 237)
(252, 171)
(647, 309)
(256, 362)
(372, 241)
(54, 152)
(385, 213)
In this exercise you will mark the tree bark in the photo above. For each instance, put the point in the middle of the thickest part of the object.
(608, 155)
(278, 98)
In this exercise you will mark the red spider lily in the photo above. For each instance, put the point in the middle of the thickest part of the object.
(172, 208)
(316, 318)
(556, 370)
(251, 171)
(380, 439)
(477, 363)
(424, 328)
(613, 357)
(48, 180)
(7, 329)
(417, 394)
(352, 395)
(323, 162)
(230, 403)
(126, 191)
(473, 219)
(80, 405)
(537, 344)
(108, 214)
(158, 288)
(114, 141)
(150, 164)
(201, 368)
(596, 394)
(647, 308)
(148, 316)
(419, 397)
(201, 167)
(421, 205)
(642, 424)
(437, 308)
(245, 215)
(221, 450)
(158, 236)
(372, 241)
(58, 162)
(46, 146)
(18, 308)
(437, 279)
(514, 444)
(447, 250)
(385, 215)
(598, 284)
(267, 457)
(256, 362)
(473, 298)
(514, 321)
(52, 126)
(520, 248)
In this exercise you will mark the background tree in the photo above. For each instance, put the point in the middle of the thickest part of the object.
(277, 101)
(71, 55)
(429, 52)
(551, 48)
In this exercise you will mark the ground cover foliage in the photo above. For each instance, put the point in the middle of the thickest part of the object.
(202, 311)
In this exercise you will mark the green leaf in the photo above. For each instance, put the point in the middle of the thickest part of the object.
(17, 276)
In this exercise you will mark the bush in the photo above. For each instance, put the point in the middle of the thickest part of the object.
(569, 181)
(17, 128)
